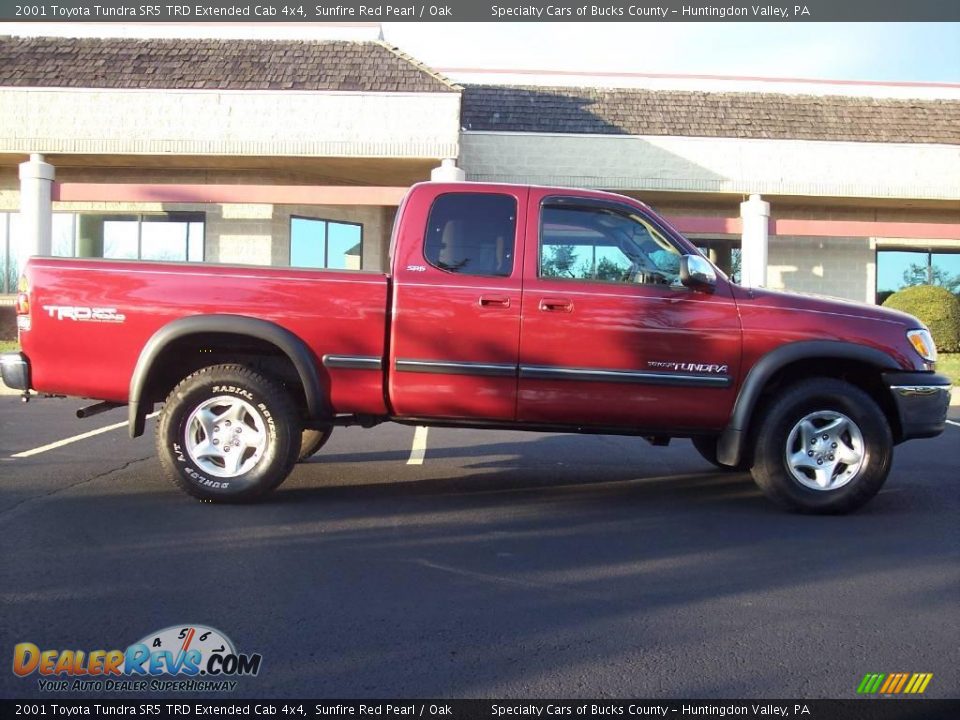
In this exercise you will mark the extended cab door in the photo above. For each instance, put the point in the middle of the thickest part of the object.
(610, 337)
(455, 333)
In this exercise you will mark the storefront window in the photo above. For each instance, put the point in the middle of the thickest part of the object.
(316, 243)
(897, 269)
(175, 237)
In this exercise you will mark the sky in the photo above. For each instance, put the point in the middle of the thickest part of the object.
(899, 52)
(913, 52)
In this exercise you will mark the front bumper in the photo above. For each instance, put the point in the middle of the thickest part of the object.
(15, 370)
(922, 401)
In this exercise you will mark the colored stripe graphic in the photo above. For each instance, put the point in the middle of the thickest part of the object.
(903, 681)
(894, 683)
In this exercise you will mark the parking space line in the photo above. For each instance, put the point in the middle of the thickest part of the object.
(75, 438)
(954, 422)
(419, 446)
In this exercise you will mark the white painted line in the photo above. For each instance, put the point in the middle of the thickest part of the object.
(419, 446)
(75, 438)
(954, 422)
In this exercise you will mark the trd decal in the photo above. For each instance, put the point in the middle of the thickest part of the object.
(84, 314)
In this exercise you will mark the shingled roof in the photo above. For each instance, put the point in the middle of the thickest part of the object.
(213, 64)
(709, 114)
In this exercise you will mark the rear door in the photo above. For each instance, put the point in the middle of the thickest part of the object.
(455, 334)
(610, 337)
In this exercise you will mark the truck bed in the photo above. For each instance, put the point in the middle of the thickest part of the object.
(90, 318)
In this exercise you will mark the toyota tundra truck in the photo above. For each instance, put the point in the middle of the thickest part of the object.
(508, 307)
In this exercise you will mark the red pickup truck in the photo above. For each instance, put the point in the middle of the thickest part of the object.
(507, 306)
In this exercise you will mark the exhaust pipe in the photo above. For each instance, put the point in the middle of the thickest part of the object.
(100, 407)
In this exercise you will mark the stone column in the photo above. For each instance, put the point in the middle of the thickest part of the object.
(447, 172)
(755, 214)
(36, 209)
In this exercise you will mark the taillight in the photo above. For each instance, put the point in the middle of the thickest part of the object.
(23, 296)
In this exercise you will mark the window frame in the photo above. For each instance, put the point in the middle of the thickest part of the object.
(326, 241)
(927, 250)
(513, 253)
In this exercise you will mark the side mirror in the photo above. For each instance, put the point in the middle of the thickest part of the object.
(697, 273)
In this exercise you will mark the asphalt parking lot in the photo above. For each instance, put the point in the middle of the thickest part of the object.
(505, 565)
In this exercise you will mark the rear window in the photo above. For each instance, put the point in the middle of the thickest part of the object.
(472, 234)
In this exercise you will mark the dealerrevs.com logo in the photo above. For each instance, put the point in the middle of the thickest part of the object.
(180, 658)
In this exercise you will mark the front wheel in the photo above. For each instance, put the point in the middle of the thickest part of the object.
(824, 446)
(228, 434)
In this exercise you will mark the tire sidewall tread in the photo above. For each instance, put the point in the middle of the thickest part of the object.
(280, 418)
(769, 469)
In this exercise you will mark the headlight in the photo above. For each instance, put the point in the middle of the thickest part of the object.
(922, 342)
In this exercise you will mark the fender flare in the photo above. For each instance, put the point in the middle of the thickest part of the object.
(731, 441)
(291, 345)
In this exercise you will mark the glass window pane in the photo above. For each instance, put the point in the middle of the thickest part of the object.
(62, 231)
(946, 270)
(897, 269)
(162, 239)
(4, 288)
(307, 243)
(344, 249)
(472, 233)
(120, 239)
(195, 242)
(598, 244)
(13, 250)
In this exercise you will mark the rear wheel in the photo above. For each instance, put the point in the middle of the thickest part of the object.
(824, 446)
(311, 441)
(228, 434)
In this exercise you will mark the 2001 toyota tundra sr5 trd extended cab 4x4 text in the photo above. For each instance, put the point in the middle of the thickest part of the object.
(506, 307)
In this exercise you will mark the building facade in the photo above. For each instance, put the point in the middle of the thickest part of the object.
(298, 153)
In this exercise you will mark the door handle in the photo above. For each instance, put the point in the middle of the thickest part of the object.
(494, 301)
(556, 305)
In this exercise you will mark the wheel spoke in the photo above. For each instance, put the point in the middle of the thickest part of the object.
(835, 427)
(848, 455)
(800, 460)
(823, 475)
(807, 433)
(205, 449)
(235, 413)
(207, 421)
(231, 460)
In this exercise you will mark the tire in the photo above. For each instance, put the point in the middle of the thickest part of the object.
(706, 445)
(833, 421)
(228, 402)
(311, 441)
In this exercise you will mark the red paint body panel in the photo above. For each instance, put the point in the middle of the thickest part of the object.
(446, 317)
(424, 315)
(331, 311)
(621, 326)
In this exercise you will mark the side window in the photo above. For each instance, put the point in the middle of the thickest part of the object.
(472, 234)
(589, 243)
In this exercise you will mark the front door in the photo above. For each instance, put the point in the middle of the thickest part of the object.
(610, 337)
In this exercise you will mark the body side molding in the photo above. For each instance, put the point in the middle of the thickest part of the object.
(292, 346)
(730, 442)
(352, 362)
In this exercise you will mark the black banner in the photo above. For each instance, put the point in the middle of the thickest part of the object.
(878, 709)
(482, 10)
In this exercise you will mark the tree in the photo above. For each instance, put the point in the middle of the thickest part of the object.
(931, 275)
(559, 261)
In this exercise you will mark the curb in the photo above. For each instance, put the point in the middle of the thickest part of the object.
(4, 390)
